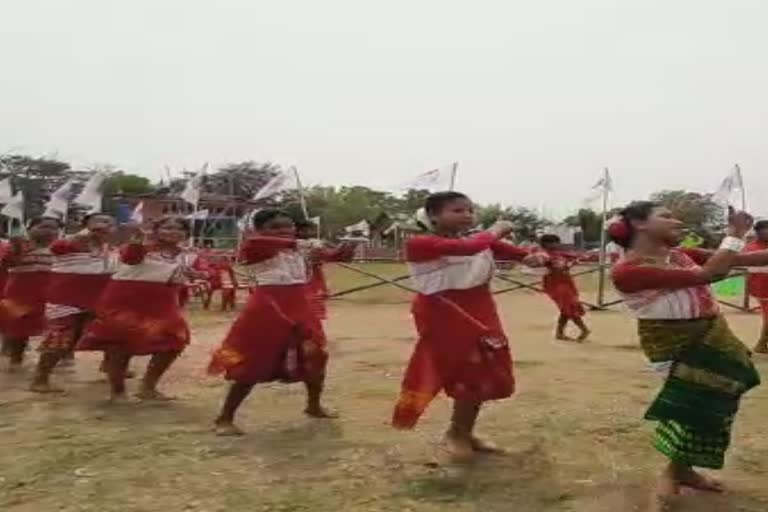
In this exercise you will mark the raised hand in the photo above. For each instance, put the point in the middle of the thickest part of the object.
(739, 223)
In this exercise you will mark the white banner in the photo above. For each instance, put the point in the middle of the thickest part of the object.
(15, 207)
(732, 184)
(6, 190)
(436, 180)
(92, 192)
(284, 181)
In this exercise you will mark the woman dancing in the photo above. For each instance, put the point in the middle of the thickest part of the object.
(462, 348)
(277, 337)
(139, 313)
(683, 333)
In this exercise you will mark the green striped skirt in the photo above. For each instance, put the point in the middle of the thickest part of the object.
(711, 370)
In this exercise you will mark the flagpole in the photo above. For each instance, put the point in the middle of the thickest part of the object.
(454, 171)
(302, 199)
(603, 242)
(742, 188)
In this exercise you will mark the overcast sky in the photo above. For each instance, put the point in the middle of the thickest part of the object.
(533, 98)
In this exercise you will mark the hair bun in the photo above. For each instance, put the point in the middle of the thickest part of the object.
(619, 230)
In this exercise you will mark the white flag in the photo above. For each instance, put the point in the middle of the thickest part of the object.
(603, 186)
(92, 192)
(6, 190)
(194, 187)
(199, 215)
(361, 227)
(435, 180)
(732, 184)
(283, 181)
(15, 207)
(246, 221)
(58, 204)
(137, 215)
(315, 220)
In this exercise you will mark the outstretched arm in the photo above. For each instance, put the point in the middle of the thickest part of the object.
(260, 248)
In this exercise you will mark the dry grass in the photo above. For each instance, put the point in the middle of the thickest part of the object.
(574, 432)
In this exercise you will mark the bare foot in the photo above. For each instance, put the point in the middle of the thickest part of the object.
(154, 395)
(760, 349)
(584, 336)
(130, 375)
(667, 489)
(320, 412)
(482, 446)
(461, 448)
(227, 429)
(121, 399)
(696, 480)
(44, 388)
(563, 337)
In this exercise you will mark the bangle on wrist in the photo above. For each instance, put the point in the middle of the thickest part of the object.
(733, 244)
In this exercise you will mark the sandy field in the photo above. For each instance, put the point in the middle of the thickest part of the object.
(574, 432)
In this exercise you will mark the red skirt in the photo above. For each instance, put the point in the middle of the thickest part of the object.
(462, 350)
(275, 338)
(137, 318)
(62, 333)
(563, 292)
(22, 309)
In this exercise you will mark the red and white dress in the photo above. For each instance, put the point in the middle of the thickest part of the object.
(674, 292)
(462, 348)
(560, 286)
(22, 308)
(140, 311)
(79, 275)
(276, 336)
(757, 281)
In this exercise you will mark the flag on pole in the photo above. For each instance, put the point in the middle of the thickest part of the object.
(435, 180)
(58, 205)
(194, 187)
(603, 186)
(15, 207)
(246, 221)
(199, 215)
(6, 190)
(283, 181)
(137, 215)
(732, 184)
(92, 192)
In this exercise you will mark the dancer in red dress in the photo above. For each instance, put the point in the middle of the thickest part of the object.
(81, 270)
(462, 348)
(276, 337)
(139, 312)
(317, 255)
(561, 288)
(22, 308)
(757, 283)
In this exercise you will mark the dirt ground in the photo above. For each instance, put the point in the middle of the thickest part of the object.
(574, 431)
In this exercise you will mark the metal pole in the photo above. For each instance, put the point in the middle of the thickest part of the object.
(302, 199)
(454, 171)
(742, 188)
(603, 241)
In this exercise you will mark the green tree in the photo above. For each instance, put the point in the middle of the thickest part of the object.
(589, 221)
(699, 213)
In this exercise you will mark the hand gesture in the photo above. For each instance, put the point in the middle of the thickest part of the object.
(502, 228)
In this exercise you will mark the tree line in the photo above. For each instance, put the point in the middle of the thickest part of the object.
(39, 176)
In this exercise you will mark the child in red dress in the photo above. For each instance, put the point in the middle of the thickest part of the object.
(757, 283)
(139, 312)
(22, 308)
(561, 288)
(81, 270)
(276, 337)
(462, 348)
